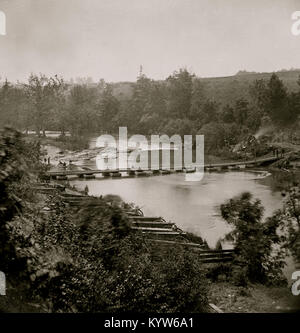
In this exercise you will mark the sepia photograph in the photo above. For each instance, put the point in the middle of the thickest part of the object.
(150, 160)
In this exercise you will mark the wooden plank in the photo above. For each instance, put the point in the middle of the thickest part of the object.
(167, 242)
(218, 251)
(153, 224)
(146, 229)
(165, 233)
(145, 218)
(215, 308)
(215, 260)
(214, 256)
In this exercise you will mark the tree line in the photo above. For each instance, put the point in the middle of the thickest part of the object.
(177, 105)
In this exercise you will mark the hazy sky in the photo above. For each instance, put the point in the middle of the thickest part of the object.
(110, 39)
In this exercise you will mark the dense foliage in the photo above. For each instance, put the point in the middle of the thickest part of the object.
(258, 254)
(18, 160)
(288, 217)
(86, 259)
(181, 104)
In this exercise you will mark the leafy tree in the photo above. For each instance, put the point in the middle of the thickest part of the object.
(209, 112)
(214, 136)
(277, 99)
(255, 242)
(227, 114)
(255, 118)
(293, 108)
(82, 110)
(198, 100)
(289, 220)
(138, 101)
(154, 112)
(59, 115)
(42, 92)
(19, 167)
(179, 94)
(241, 111)
(14, 109)
(179, 126)
(232, 133)
(259, 93)
(109, 109)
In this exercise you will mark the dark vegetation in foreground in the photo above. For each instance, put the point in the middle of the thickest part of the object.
(89, 260)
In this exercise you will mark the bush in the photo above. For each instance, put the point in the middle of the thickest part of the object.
(254, 241)
(239, 276)
(217, 271)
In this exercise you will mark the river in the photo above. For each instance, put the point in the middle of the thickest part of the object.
(193, 206)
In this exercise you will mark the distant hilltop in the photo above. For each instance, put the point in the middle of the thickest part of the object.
(244, 72)
(223, 90)
(228, 88)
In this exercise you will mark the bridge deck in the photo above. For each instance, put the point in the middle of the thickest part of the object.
(116, 171)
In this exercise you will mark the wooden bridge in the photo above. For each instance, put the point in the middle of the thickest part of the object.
(61, 173)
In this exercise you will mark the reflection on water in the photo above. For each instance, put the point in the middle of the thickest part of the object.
(193, 206)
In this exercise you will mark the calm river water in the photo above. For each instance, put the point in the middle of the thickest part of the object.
(193, 206)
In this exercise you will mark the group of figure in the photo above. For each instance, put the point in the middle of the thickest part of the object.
(278, 152)
(64, 164)
(47, 160)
